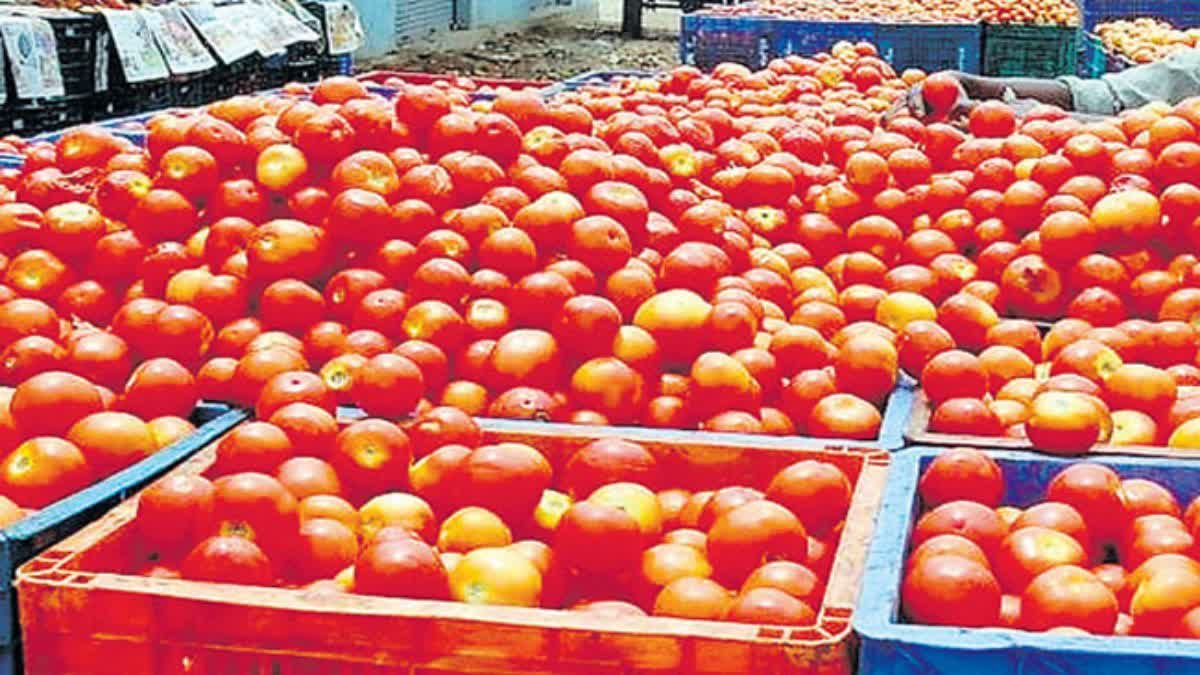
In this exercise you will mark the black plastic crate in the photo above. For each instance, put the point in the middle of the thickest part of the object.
(239, 77)
(1013, 50)
(79, 41)
(82, 47)
(274, 72)
(29, 117)
(130, 99)
(190, 91)
(343, 64)
(123, 98)
(77, 38)
(305, 52)
(317, 9)
(303, 72)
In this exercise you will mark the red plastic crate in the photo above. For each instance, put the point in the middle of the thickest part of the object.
(82, 614)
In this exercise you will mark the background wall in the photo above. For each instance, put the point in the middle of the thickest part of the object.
(388, 22)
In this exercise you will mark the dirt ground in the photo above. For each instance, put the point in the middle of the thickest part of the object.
(549, 52)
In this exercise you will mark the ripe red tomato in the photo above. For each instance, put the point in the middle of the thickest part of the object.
(951, 590)
(256, 507)
(173, 513)
(230, 560)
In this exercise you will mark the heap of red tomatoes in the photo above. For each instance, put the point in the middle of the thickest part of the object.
(517, 261)
(300, 501)
(740, 251)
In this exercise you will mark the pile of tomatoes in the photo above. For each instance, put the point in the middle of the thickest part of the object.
(1145, 40)
(1079, 385)
(301, 502)
(1101, 555)
(859, 10)
(76, 408)
(1039, 12)
(522, 262)
(940, 235)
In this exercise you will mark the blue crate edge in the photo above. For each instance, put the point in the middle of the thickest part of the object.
(125, 480)
(22, 540)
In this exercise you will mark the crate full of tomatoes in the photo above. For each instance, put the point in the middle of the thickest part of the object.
(1007, 561)
(285, 547)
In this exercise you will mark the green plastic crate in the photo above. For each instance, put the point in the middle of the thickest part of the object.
(1093, 60)
(1029, 51)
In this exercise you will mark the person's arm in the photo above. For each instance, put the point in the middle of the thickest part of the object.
(1053, 92)
(1171, 80)
(977, 88)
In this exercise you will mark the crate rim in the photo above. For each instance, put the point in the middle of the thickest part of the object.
(895, 414)
(833, 622)
(880, 593)
(379, 76)
(586, 79)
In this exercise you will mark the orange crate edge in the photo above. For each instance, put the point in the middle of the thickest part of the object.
(77, 621)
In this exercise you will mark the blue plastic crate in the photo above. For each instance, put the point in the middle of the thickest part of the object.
(23, 540)
(890, 647)
(705, 40)
(1181, 14)
(931, 47)
(891, 432)
(806, 38)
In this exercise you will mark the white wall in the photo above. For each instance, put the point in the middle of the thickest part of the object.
(378, 16)
(379, 22)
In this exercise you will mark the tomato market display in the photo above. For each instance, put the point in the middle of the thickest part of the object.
(435, 513)
(1040, 12)
(524, 262)
(733, 251)
(737, 251)
(755, 252)
(1145, 40)
(1100, 554)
